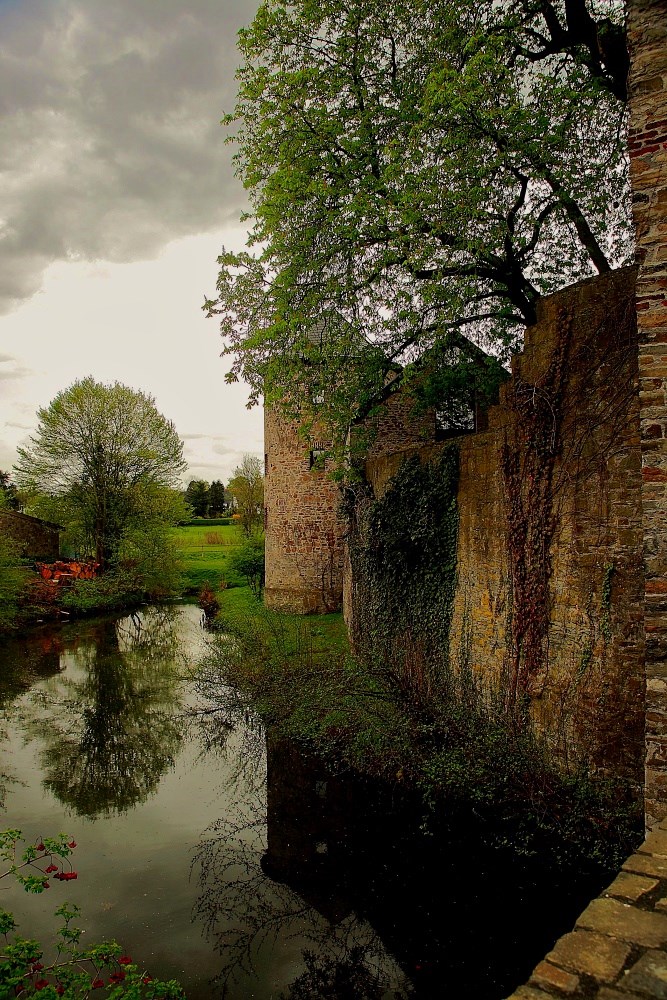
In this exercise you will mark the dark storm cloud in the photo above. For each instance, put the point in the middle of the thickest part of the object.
(110, 143)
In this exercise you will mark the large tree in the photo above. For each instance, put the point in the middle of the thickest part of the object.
(420, 174)
(109, 459)
(197, 496)
(247, 488)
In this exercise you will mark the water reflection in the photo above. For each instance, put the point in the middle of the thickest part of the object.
(109, 724)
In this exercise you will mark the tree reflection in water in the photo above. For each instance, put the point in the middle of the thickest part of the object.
(112, 729)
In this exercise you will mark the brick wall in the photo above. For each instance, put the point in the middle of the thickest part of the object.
(37, 539)
(647, 32)
(579, 370)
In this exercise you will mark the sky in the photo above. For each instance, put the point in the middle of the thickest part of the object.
(117, 193)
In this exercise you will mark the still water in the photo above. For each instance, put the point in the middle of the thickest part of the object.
(241, 871)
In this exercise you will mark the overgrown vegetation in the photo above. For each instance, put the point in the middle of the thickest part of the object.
(403, 557)
(457, 749)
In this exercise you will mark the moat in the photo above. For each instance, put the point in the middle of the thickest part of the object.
(239, 871)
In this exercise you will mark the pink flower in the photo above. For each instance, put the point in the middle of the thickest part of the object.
(37, 966)
(125, 960)
(40, 847)
(50, 868)
(146, 979)
(97, 984)
(72, 844)
(117, 977)
(45, 885)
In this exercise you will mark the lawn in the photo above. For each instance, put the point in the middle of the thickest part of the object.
(205, 552)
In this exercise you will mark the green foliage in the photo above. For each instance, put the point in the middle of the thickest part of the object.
(68, 970)
(403, 555)
(8, 492)
(217, 499)
(246, 487)
(248, 561)
(102, 460)
(197, 497)
(12, 579)
(114, 590)
(419, 177)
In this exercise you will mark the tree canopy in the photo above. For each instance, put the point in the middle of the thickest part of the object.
(247, 489)
(420, 174)
(108, 460)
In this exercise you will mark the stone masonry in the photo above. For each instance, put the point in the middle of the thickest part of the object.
(587, 694)
(36, 539)
(647, 32)
(618, 947)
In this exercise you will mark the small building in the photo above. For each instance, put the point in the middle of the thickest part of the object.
(36, 539)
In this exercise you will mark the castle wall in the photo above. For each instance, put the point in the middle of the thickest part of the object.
(647, 35)
(36, 539)
(549, 588)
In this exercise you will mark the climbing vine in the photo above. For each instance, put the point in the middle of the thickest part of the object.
(528, 457)
(403, 555)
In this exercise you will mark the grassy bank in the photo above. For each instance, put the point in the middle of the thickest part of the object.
(204, 552)
(466, 759)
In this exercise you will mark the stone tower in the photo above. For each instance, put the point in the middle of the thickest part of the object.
(303, 527)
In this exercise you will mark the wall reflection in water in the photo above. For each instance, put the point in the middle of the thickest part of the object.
(274, 882)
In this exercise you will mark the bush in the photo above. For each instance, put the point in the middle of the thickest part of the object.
(248, 560)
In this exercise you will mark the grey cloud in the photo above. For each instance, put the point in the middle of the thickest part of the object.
(19, 372)
(110, 144)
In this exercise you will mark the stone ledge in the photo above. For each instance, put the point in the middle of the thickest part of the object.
(618, 948)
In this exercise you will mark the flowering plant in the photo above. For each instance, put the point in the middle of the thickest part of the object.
(71, 972)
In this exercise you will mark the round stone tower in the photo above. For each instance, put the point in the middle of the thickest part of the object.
(303, 527)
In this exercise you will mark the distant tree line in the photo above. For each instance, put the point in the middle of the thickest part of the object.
(207, 499)
(243, 495)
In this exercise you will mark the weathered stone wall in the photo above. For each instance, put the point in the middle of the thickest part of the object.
(37, 539)
(647, 33)
(550, 581)
(303, 527)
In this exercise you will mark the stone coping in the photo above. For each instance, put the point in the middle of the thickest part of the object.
(618, 948)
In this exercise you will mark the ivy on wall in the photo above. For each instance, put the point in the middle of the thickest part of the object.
(403, 555)
(527, 464)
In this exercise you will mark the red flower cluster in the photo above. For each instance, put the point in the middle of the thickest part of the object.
(66, 876)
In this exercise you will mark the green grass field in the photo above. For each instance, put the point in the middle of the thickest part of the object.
(204, 552)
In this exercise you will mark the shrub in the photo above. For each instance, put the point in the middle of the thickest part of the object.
(248, 560)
